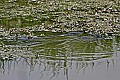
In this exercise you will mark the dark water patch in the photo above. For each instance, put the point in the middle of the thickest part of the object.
(74, 33)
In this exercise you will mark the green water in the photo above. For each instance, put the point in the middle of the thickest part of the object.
(53, 45)
(59, 39)
(51, 55)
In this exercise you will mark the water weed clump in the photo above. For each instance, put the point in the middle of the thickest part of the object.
(91, 16)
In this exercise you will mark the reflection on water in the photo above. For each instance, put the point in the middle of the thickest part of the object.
(58, 56)
(28, 51)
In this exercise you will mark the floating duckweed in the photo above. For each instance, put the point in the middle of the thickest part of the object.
(62, 13)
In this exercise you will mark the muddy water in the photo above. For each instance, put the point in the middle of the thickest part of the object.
(59, 56)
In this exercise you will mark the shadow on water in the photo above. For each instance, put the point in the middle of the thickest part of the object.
(51, 55)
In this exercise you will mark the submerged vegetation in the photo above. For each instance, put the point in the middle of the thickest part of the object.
(55, 34)
(56, 46)
(55, 52)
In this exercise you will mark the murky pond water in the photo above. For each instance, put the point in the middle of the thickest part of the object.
(59, 56)
(59, 39)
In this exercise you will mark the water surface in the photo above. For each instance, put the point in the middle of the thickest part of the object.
(59, 39)
(59, 56)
